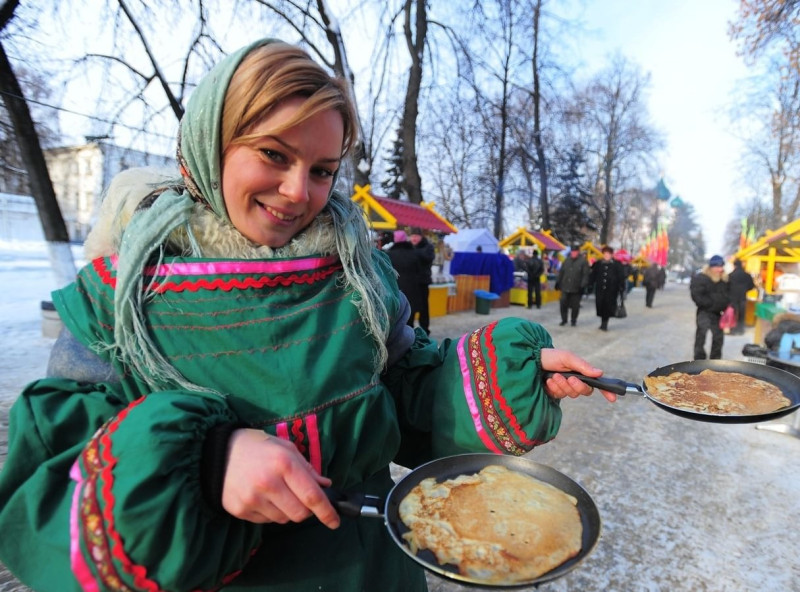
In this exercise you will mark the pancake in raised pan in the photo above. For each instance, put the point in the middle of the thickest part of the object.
(718, 393)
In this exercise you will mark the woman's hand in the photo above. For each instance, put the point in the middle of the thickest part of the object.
(268, 480)
(559, 387)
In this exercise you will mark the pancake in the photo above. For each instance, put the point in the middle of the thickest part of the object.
(718, 393)
(497, 526)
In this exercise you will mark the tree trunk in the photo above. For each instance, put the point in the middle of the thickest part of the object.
(55, 231)
(541, 158)
(412, 183)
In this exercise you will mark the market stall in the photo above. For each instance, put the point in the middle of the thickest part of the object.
(477, 267)
(385, 215)
(547, 245)
(775, 260)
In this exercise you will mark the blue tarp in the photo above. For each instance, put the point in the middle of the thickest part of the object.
(497, 266)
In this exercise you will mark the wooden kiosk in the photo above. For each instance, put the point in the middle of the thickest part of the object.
(529, 240)
(775, 253)
(385, 214)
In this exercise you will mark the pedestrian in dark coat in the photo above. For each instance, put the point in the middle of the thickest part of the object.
(426, 254)
(652, 277)
(608, 278)
(535, 271)
(711, 293)
(741, 283)
(407, 264)
(573, 277)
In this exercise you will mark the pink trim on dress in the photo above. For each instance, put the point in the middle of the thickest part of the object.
(470, 397)
(80, 569)
(314, 452)
(282, 431)
(236, 266)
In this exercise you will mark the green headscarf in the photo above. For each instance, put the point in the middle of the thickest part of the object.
(199, 155)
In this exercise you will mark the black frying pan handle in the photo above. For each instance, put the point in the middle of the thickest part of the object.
(354, 505)
(613, 385)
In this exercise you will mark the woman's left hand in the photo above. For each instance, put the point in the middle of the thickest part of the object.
(560, 387)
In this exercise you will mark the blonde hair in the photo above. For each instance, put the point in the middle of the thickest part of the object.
(273, 73)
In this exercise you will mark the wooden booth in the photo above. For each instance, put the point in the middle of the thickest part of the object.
(775, 260)
(530, 240)
(384, 215)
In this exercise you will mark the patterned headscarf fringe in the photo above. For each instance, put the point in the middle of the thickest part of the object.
(145, 236)
(355, 252)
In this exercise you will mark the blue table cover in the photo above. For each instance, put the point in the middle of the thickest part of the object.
(499, 268)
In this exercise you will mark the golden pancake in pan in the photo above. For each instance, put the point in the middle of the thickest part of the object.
(498, 526)
(718, 393)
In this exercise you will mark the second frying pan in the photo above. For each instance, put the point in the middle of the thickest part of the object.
(786, 381)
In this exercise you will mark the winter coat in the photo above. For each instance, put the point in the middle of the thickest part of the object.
(651, 276)
(535, 269)
(710, 294)
(426, 254)
(740, 283)
(608, 278)
(573, 275)
(410, 271)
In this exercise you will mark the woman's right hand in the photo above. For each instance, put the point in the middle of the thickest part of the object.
(268, 480)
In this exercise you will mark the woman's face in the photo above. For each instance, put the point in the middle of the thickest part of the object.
(276, 184)
(606, 255)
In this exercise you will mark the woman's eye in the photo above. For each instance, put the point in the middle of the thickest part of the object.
(324, 172)
(273, 155)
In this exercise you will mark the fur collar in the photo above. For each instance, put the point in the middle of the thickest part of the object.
(218, 238)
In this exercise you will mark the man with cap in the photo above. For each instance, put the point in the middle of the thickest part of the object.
(710, 292)
(573, 277)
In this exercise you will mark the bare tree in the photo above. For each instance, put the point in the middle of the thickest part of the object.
(55, 231)
(536, 97)
(612, 121)
(769, 120)
(415, 34)
(765, 24)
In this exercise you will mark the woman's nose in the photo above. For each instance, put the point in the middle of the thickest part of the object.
(295, 185)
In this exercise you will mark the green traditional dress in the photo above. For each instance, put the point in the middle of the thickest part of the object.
(106, 483)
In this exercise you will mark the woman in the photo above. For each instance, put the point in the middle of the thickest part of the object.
(608, 279)
(235, 345)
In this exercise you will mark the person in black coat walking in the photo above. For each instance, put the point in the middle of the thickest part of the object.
(651, 279)
(608, 279)
(426, 254)
(711, 293)
(410, 273)
(740, 283)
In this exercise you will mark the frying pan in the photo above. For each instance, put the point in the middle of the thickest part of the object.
(355, 505)
(786, 381)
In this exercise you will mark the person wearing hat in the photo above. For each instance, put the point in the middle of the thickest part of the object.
(573, 277)
(608, 278)
(710, 291)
